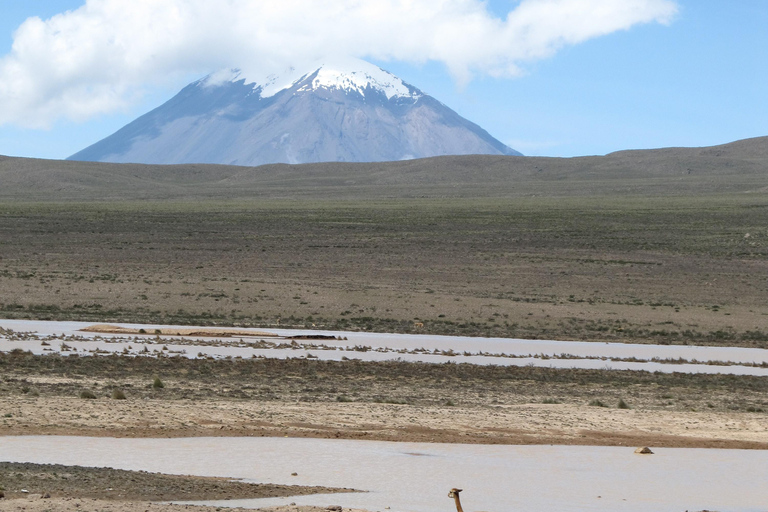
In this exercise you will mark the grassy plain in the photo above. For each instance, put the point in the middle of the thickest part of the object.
(633, 268)
(666, 247)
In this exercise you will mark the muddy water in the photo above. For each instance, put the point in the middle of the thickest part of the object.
(546, 353)
(416, 477)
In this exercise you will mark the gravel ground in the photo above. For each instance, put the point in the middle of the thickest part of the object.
(22, 480)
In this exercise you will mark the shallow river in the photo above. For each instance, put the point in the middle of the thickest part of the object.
(417, 476)
(408, 347)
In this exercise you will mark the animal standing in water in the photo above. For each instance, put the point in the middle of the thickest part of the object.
(454, 493)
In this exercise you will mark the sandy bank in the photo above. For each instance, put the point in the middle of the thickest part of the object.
(38, 504)
(179, 331)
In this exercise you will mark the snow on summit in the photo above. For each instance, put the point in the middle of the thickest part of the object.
(337, 110)
(357, 75)
(347, 74)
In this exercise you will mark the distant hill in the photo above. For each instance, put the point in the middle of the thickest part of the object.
(739, 167)
(346, 110)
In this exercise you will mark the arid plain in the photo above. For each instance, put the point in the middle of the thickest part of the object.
(622, 249)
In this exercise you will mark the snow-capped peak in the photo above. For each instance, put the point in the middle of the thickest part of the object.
(347, 74)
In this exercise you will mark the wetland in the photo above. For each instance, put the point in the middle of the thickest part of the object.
(662, 257)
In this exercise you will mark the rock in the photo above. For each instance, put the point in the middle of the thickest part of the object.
(45, 496)
(334, 508)
(294, 474)
(644, 450)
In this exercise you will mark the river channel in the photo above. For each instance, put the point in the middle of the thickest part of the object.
(417, 476)
(67, 337)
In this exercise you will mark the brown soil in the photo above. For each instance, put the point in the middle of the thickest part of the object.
(532, 424)
(385, 401)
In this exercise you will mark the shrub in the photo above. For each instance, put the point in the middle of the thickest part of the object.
(158, 384)
(597, 403)
(88, 394)
(118, 394)
(622, 404)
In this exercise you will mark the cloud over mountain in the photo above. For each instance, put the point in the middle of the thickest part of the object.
(97, 58)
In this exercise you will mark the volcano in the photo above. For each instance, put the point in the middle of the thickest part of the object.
(344, 110)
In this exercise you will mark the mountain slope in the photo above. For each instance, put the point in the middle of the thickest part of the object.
(737, 168)
(347, 111)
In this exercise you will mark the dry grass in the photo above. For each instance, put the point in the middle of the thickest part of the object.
(642, 270)
(392, 401)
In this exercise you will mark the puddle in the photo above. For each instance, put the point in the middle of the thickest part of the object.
(67, 338)
(417, 476)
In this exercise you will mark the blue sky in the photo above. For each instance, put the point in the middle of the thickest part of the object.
(696, 78)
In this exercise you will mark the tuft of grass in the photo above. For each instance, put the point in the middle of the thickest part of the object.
(342, 398)
(118, 394)
(597, 403)
(157, 383)
(622, 404)
(551, 401)
(87, 394)
(394, 401)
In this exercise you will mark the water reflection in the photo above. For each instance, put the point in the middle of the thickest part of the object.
(417, 476)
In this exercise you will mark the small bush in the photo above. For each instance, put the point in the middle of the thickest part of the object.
(597, 403)
(118, 394)
(622, 404)
(342, 398)
(87, 394)
(551, 401)
(158, 384)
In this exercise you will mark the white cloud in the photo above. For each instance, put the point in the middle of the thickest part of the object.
(97, 58)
